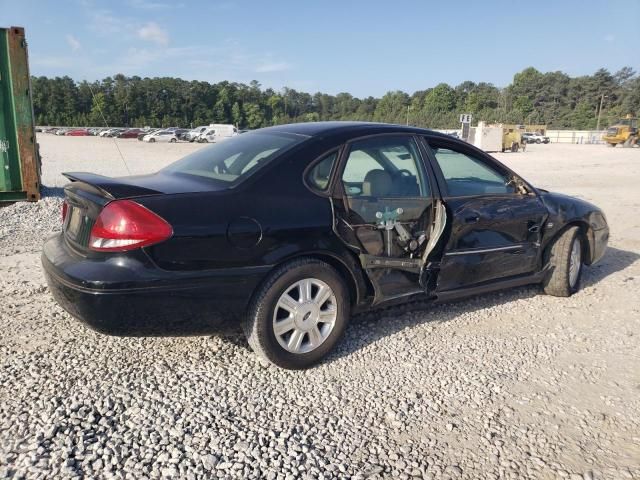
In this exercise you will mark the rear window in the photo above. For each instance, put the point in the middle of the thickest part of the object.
(235, 159)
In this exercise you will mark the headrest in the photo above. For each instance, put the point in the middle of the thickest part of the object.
(377, 183)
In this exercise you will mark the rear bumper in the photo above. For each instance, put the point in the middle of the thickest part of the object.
(128, 297)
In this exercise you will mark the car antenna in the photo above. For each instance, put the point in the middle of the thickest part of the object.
(107, 125)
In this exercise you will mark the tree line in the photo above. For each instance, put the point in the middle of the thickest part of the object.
(533, 97)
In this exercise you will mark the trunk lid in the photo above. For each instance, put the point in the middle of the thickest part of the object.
(143, 185)
(88, 193)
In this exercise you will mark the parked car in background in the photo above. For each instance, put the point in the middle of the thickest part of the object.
(116, 132)
(217, 132)
(77, 132)
(532, 137)
(131, 133)
(106, 132)
(146, 132)
(298, 226)
(194, 133)
(161, 136)
(181, 132)
(61, 131)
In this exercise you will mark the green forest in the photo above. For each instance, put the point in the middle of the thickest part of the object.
(533, 97)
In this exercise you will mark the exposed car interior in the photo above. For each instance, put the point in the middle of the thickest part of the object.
(387, 210)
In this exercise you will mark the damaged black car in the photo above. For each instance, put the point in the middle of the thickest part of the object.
(289, 230)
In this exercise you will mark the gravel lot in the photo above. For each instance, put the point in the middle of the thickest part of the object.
(509, 385)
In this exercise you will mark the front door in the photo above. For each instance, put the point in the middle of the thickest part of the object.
(494, 220)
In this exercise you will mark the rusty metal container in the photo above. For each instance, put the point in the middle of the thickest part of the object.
(19, 158)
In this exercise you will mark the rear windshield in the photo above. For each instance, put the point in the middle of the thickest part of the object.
(235, 159)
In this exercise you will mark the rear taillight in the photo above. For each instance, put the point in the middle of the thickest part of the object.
(126, 225)
(65, 208)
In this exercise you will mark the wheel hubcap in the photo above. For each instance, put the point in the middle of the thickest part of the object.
(305, 315)
(575, 263)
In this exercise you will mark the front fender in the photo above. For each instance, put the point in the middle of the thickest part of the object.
(565, 211)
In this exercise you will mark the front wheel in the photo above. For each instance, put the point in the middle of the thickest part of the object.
(152, 140)
(173, 140)
(298, 315)
(565, 264)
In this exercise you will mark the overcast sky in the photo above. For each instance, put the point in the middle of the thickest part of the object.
(361, 47)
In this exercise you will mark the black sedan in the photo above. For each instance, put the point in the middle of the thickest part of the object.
(290, 229)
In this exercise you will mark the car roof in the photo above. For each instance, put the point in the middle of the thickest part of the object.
(328, 129)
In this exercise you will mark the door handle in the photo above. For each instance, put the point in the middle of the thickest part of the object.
(472, 219)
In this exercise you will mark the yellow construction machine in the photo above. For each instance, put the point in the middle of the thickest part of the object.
(624, 132)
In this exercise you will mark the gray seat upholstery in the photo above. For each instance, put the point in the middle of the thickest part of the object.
(377, 183)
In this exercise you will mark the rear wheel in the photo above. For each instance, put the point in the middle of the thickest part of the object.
(173, 140)
(565, 264)
(514, 147)
(538, 141)
(298, 315)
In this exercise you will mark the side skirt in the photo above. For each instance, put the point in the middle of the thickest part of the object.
(421, 299)
(490, 287)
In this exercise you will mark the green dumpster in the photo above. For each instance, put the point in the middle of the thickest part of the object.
(19, 159)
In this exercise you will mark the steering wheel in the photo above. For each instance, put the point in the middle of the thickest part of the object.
(405, 173)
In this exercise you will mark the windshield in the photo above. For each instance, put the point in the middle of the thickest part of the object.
(235, 159)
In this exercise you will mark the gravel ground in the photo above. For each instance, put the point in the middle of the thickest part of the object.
(509, 385)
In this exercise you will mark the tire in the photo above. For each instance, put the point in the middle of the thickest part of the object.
(538, 141)
(152, 140)
(515, 147)
(611, 145)
(173, 140)
(564, 254)
(284, 287)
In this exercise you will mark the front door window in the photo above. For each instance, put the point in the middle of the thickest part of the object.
(466, 175)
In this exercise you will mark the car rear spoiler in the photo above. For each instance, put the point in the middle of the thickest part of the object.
(113, 188)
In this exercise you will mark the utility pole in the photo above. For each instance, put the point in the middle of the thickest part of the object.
(600, 111)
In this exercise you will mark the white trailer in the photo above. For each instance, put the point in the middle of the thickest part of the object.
(488, 138)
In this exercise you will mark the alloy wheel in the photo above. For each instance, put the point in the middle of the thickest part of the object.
(305, 315)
